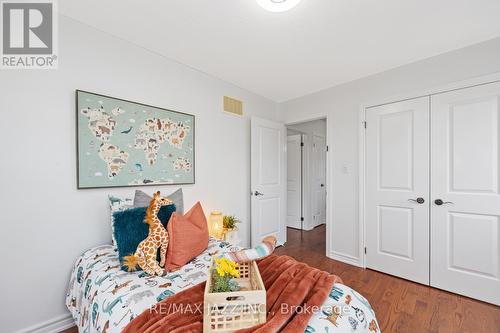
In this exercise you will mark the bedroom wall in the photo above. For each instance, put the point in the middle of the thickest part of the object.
(46, 221)
(342, 104)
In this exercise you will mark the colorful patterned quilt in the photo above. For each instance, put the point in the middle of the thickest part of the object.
(104, 299)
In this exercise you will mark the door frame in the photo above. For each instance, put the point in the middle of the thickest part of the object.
(477, 81)
(301, 177)
(328, 178)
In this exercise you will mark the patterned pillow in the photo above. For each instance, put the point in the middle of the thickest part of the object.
(129, 228)
(142, 199)
(117, 204)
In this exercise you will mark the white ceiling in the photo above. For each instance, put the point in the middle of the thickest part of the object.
(316, 45)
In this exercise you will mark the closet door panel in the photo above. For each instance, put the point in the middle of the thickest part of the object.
(465, 224)
(397, 174)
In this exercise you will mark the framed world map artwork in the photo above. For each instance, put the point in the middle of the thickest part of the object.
(123, 143)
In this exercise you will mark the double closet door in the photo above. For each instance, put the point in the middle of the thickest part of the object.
(432, 190)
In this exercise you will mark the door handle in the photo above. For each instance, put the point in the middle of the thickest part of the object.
(417, 200)
(440, 202)
(257, 193)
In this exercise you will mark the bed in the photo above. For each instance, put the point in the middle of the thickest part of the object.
(104, 299)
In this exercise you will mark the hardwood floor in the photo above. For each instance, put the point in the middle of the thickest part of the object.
(400, 305)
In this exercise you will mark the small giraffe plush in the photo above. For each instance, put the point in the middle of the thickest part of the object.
(145, 255)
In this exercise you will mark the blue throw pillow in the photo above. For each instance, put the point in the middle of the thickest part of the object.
(129, 228)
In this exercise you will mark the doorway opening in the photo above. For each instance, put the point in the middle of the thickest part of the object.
(306, 182)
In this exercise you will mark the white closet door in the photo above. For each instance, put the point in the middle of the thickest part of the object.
(397, 175)
(465, 172)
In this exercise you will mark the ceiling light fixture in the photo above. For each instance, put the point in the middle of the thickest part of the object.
(277, 6)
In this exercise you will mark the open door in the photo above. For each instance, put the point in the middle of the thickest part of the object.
(318, 169)
(268, 180)
(294, 181)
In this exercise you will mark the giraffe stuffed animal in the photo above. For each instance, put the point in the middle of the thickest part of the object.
(145, 255)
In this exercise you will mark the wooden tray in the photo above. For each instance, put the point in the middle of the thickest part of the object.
(228, 312)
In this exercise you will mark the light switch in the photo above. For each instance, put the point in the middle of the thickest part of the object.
(345, 168)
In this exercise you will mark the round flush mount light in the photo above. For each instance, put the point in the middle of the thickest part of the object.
(277, 6)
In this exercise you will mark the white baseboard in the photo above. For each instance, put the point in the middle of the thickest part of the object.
(54, 325)
(345, 258)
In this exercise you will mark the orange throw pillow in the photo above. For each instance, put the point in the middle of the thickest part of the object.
(188, 237)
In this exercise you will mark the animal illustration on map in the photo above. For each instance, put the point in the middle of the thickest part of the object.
(114, 157)
(100, 123)
(145, 255)
(128, 131)
(332, 315)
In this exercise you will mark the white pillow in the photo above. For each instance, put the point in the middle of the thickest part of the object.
(117, 204)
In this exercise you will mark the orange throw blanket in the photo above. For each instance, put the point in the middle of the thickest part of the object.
(287, 281)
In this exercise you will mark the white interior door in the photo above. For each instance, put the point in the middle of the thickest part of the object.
(268, 180)
(294, 181)
(318, 167)
(465, 174)
(397, 176)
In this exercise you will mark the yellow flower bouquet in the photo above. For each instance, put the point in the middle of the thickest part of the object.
(224, 275)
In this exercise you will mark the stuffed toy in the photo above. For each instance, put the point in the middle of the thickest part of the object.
(145, 255)
(260, 251)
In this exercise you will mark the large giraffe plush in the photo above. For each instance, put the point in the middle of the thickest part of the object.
(145, 255)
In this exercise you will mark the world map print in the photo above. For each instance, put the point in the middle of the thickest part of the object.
(122, 143)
